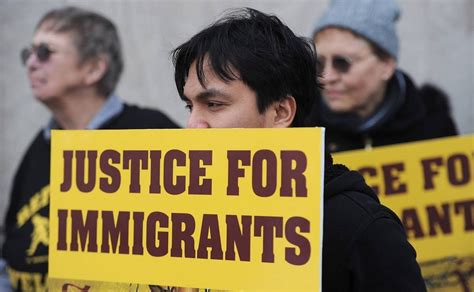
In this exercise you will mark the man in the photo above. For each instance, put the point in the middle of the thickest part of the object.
(250, 70)
(73, 65)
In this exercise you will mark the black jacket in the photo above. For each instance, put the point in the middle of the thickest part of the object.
(26, 239)
(365, 247)
(407, 114)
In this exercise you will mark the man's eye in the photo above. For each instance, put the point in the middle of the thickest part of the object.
(213, 104)
(189, 107)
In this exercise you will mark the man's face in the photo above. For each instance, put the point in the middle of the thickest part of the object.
(61, 74)
(223, 104)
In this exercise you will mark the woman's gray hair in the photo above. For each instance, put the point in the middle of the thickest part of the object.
(94, 35)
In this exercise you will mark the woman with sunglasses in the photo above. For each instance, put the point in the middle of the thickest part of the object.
(366, 100)
(73, 66)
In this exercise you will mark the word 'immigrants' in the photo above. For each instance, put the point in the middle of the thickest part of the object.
(182, 235)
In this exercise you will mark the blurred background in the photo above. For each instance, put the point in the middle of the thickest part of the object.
(436, 37)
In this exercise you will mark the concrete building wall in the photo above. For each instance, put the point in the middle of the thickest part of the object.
(437, 45)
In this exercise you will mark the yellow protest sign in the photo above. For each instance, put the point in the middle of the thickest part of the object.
(430, 185)
(222, 209)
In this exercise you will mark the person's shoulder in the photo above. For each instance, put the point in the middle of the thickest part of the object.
(434, 104)
(355, 208)
(348, 187)
(39, 144)
(438, 111)
(144, 113)
(349, 201)
(434, 98)
(135, 117)
(351, 211)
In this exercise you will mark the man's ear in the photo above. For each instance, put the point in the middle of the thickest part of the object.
(285, 111)
(95, 69)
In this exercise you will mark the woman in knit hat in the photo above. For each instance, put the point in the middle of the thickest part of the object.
(366, 100)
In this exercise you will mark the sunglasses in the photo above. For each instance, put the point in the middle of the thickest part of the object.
(341, 64)
(42, 52)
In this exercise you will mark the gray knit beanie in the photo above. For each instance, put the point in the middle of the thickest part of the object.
(372, 19)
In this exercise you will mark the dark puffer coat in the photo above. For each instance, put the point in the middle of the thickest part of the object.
(407, 114)
(365, 247)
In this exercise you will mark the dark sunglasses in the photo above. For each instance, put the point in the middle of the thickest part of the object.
(341, 64)
(42, 51)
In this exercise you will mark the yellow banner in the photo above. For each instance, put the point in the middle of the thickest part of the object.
(430, 185)
(223, 209)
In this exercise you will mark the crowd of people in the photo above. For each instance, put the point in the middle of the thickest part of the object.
(247, 70)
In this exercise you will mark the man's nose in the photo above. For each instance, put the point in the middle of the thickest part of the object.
(197, 121)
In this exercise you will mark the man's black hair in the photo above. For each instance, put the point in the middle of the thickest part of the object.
(259, 50)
